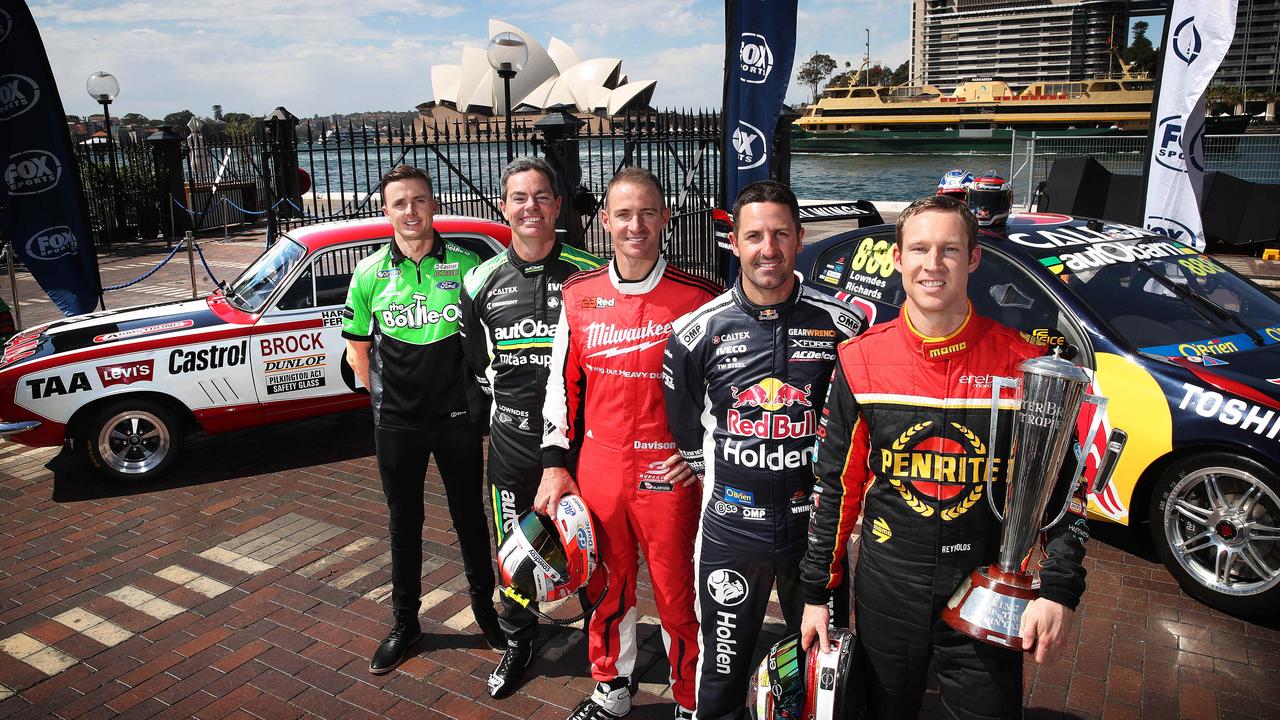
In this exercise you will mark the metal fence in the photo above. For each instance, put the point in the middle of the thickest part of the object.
(466, 159)
(120, 183)
(1255, 158)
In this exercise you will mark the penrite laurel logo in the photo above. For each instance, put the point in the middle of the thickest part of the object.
(748, 144)
(755, 59)
(1186, 41)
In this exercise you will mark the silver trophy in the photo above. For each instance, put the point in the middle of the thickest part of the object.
(989, 604)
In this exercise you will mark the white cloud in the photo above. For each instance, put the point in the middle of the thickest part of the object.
(690, 77)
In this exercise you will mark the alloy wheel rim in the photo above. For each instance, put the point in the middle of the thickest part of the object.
(1223, 526)
(134, 442)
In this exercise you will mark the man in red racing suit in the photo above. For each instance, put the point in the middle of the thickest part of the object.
(605, 392)
(903, 441)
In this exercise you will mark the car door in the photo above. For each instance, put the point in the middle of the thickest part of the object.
(299, 356)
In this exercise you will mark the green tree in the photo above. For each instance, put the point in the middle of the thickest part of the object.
(217, 112)
(901, 76)
(239, 125)
(1141, 55)
(134, 119)
(178, 119)
(815, 70)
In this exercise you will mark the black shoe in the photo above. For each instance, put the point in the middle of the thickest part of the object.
(490, 628)
(396, 647)
(506, 677)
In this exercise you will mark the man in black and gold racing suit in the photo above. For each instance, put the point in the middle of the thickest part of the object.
(905, 426)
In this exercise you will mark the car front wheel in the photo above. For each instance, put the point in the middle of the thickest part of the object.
(133, 439)
(1215, 522)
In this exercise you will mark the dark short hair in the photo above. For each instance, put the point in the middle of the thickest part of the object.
(767, 191)
(635, 176)
(522, 164)
(404, 172)
(941, 203)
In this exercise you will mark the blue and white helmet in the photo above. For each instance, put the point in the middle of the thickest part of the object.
(955, 182)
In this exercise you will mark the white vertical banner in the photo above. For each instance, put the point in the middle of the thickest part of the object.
(1197, 36)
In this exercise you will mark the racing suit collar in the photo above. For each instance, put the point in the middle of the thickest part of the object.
(641, 286)
(939, 348)
(534, 267)
(437, 249)
(766, 312)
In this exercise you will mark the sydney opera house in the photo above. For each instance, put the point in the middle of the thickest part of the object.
(553, 77)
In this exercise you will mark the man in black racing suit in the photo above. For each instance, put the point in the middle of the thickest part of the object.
(744, 381)
(510, 309)
(906, 426)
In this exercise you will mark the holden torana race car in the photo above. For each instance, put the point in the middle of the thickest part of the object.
(1187, 351)
(126, 385)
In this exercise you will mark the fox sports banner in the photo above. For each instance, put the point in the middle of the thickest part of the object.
(1197, 35)
(760, 43)
(43, 213)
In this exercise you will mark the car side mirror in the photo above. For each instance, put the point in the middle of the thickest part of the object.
(1115, 446)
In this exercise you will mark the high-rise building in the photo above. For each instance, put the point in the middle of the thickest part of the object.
(1253, 62)
(1017, 41)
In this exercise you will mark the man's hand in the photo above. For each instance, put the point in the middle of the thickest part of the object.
(814, 624)
(679, 472)
(556, 483)
(1045, 626)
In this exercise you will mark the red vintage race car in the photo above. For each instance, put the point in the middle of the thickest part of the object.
(127, 385)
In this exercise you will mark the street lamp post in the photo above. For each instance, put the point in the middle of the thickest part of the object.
(103, 87)
(507, 54)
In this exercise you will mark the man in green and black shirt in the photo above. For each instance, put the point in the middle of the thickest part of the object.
(401, 327)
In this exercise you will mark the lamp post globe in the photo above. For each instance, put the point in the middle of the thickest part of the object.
(507, 53)
(103, 87)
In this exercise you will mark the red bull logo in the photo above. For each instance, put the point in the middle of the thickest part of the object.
(771, 394)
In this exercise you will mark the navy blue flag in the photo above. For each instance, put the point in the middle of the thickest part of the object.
(43, 212)
(760, 44)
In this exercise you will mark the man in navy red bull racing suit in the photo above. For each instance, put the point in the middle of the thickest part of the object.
(745, 378)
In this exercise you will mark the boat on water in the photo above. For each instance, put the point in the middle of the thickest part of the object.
(979, 115)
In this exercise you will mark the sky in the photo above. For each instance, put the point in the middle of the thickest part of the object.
(338, 56)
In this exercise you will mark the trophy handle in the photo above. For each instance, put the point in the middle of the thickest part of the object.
(997, 385)
(1082, 454)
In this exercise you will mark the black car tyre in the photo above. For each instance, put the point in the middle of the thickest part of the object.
(1215, 522)
(133, 439)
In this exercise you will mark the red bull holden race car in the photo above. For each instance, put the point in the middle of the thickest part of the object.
(1187, 351)
(126, 385)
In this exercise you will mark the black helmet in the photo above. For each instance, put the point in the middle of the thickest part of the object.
(990, 199)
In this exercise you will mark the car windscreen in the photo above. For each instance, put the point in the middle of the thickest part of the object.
(250, 291)
(1179, 305)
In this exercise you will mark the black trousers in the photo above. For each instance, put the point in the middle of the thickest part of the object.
(733, 584)
(515, 471)
(402, 463)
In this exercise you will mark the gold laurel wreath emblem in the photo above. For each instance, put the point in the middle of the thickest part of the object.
(975, 494)
(912, 501)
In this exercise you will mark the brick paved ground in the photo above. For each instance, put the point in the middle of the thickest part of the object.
(253, 583)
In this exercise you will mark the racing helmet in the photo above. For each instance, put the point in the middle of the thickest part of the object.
(790, 684)
(546, 559)
(954, 182)
(990, 197)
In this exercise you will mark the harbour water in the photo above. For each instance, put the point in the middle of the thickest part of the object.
(898, 177)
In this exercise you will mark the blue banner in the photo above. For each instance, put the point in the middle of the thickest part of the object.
(760, 44)
(42, 209)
